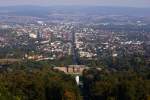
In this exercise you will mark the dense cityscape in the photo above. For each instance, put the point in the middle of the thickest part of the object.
(110, 52)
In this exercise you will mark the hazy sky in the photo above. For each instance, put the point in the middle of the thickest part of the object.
(131, 3)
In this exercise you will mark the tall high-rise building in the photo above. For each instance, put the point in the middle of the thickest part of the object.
(39, 35)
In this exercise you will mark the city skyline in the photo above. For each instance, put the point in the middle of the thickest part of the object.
(125, 3)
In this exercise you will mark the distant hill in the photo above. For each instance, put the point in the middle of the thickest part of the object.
(96, 10)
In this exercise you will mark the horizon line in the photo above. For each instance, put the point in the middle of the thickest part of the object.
(77, 6)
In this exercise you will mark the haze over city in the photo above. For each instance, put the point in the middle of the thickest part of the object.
(125, 3)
